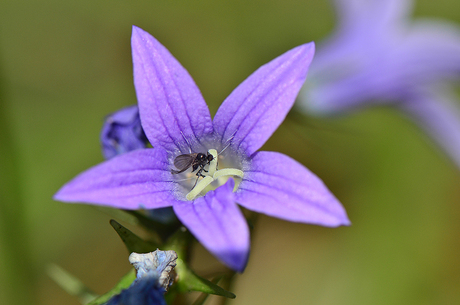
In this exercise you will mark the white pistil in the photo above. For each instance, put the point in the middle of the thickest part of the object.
(230, 172)
(213, 174)
(213, 164)
(199, 187)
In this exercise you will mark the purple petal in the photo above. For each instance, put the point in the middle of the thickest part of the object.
(438, 115)
(367, 17)
(363, 27)
(122, 132)
(279, 186)
(381, 58)
(217, 222)
(170, 103)
(138, 179)
(430, 52)
(256, 108)
(356, 89)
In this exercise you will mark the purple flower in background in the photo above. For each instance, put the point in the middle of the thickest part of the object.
(177, 121)
(122, 132)
(378, 56)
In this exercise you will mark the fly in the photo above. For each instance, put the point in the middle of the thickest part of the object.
(197, 161)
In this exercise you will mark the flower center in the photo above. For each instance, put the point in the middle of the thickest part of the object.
(209, 170)
(215, 178)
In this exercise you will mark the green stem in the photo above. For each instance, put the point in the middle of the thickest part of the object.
(16, 272)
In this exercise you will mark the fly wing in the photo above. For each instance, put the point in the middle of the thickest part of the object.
(183, 162)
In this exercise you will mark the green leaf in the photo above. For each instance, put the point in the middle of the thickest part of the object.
(189, 281)
(138, 218)
(203, 297)
(16, 256)
(124, 283)
(133, 242)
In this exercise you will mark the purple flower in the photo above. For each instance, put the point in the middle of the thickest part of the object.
(378, 56)
(122, 132)
(177, 121)
(141, 292)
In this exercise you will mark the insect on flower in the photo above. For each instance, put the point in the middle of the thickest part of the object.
(194, 160)
(197, 160)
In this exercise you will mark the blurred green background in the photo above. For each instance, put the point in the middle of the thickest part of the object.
(64, 65)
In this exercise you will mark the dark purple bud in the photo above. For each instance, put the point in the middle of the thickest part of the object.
(145, 291)
(162, 215)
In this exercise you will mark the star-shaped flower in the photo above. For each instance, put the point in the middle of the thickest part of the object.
(378, 56)
(177, 121)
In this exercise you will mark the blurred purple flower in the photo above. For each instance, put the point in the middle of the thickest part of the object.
(152, 279)
(378, 56)
(176, 121)
(122, 132)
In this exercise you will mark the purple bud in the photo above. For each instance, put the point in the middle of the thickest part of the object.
(122, 132)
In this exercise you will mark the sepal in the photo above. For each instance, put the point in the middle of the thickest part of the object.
(133, 242)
